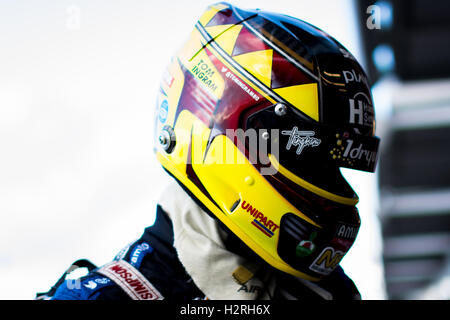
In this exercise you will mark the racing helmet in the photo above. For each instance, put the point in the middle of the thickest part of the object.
(256, 114)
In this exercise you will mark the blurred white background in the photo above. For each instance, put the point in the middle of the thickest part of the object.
(78, 83)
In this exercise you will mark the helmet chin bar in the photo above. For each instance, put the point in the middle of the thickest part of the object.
(313, 250)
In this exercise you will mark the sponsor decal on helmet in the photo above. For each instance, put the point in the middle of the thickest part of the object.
(347, 54)
(306, 247)
(300, 139)
(241, 84)
(346, 231)
(345, 235)
(327, 261)
(356, 155)
(361, 110)
(359, 153)
(204, 73)
(260, 221)
(336, 152)
(353, 76)
(163, 111)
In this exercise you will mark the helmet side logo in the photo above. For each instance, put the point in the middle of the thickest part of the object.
(352, 153)
(203, 72)
(327, 261)
(163, 111)
(260, 221)
(361, 110)
(300, 139)
(306, 247)
(353, 76)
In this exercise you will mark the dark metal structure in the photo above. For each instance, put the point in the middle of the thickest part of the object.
(411, 40)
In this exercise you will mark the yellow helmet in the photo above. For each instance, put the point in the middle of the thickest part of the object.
(255, 115)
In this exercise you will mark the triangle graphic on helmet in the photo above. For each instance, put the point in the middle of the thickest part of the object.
(248, 42)
(258, 63)
(304, 97)
(211, 12)
(227, 40)
(216, 31)
(286, 74)
(223, 16)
